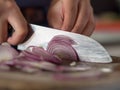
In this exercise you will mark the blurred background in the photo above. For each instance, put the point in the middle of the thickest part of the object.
(107, 31)
(107, 15)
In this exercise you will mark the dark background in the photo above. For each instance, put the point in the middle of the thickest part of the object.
(35, 10)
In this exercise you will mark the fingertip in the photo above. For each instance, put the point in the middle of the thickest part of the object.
(17, 38)
(11, 42)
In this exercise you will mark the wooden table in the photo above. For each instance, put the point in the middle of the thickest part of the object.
(101, 77)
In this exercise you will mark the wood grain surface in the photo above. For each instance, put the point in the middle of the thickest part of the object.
(100, 77)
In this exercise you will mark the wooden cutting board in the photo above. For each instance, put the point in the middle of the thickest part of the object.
(103, 76)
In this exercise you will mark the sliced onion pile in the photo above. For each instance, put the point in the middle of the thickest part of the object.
(59, 52)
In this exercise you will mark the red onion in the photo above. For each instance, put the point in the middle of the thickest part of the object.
(29, 55)
(7, 52)
(61, 46)
(38, 53)
(59, 51)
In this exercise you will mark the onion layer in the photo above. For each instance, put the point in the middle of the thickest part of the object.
(39, 54)
(61, 46)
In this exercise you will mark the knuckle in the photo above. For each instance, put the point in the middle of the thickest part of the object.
(6, 5)
(10, 4)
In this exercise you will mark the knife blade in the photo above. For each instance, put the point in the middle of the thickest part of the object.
(88, 49)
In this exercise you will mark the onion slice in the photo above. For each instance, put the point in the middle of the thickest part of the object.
(61, 46)
(39, 54)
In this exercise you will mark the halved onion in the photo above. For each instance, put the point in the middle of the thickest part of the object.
(7, 52)
(61, 46)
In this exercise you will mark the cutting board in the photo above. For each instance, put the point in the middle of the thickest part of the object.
(103, 76)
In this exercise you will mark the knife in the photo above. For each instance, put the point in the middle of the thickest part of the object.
(88, 49)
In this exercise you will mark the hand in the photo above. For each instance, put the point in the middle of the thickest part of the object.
(10, 14)
(72, 15)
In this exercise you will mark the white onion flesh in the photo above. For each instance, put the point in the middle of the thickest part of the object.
(7, 52)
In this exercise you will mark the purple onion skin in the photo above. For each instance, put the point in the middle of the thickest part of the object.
(61, 46)
(40, 54)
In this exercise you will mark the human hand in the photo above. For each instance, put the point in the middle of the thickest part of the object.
(72, 15)
(10, 14)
